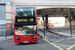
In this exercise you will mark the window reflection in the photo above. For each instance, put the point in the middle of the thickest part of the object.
(25, 30)
(25, 12)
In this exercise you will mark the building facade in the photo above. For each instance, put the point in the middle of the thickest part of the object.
(7, 9)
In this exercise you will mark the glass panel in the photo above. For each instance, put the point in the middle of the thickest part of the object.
(4, 31)
(25, 11)
(25, 30)
(0, 32)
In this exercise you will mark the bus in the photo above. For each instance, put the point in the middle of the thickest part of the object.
(25, 28)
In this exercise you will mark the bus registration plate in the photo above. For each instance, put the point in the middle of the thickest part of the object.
(25, 42)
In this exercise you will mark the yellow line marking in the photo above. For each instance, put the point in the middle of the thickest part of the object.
(54, 44)
(63, 44)
(73, 36)
(71, 47)
(45, 38)
(52, 40)
(58, 41)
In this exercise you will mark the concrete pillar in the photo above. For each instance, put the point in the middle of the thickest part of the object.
(46, 21)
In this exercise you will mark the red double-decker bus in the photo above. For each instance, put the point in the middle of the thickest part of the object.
(25, 25)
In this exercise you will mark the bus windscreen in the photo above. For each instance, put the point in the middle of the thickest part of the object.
(25, 12)
(25, 30)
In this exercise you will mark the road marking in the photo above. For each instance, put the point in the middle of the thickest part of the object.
(73, 36)
(54, 44)
(63, 44)
(58, 41)
(45, 38)
(69, 41)
(71, 47)
(53, 39)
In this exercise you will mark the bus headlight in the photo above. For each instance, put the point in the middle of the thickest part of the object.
(34, 37)
(17, 38)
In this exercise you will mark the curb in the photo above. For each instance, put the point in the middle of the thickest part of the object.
(41, 36)
(57, 33)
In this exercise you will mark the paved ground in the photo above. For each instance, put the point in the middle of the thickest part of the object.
(3, 38)
(65, 43)
(63, 29)
(41, 45)
(53, 42)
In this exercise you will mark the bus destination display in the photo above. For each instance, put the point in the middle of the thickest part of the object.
(25, 20)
